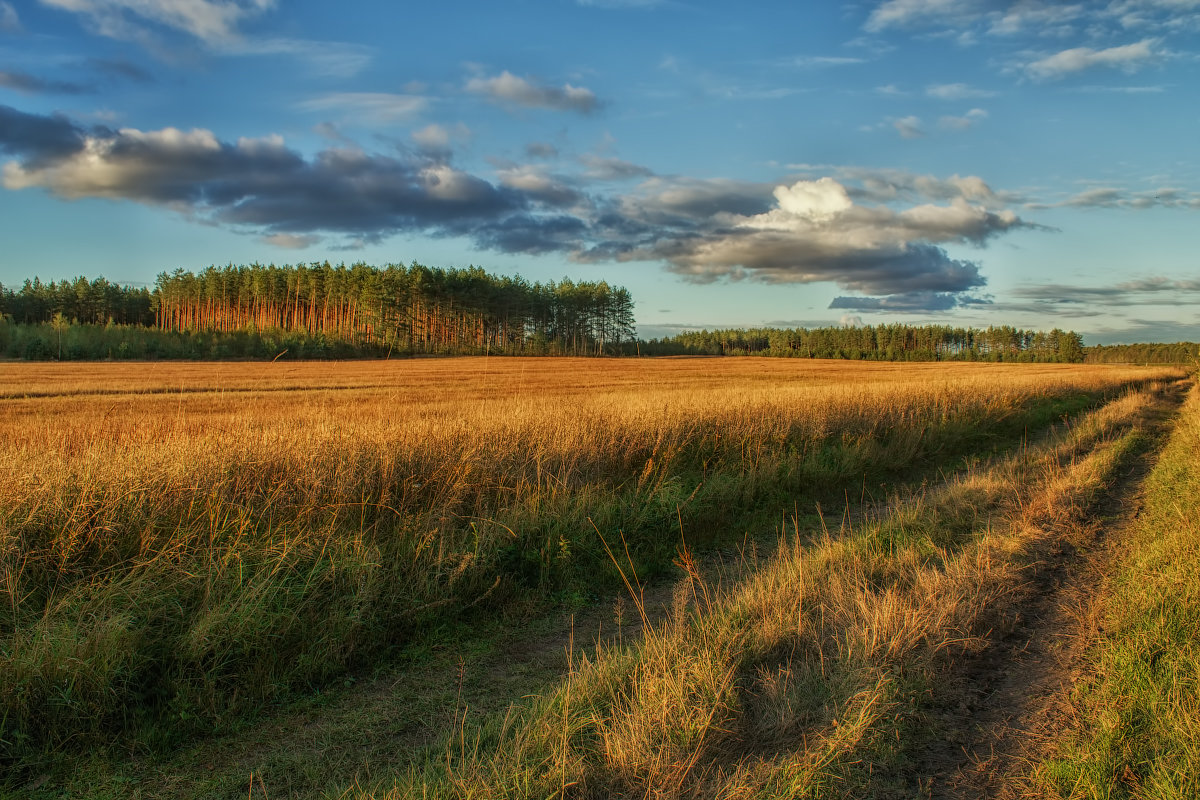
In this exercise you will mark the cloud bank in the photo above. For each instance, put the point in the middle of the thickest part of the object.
(880, 234)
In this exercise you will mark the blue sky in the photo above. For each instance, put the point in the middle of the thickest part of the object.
(969, 162)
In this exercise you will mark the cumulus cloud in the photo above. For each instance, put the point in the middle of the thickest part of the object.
(1127, 57)
(880, 234)
(257, 184)
(31, 84)
(535, 181)
(9, 21)
(512, 90)
(890, 185)
(680, 202)
(813, 231)
(211, 21)
(35, 138)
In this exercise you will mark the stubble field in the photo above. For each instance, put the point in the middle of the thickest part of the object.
(189, 548)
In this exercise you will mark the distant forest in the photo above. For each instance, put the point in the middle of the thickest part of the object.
(882, 343)
(1177, 353)
(323, 310)
(326, 311)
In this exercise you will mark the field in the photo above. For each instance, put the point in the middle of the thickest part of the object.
(495, 577)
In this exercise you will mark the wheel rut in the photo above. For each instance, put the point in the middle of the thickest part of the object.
(1002, 710)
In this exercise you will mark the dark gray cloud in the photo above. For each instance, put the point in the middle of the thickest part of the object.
(704, 230)
(911, 302)
(811, 231)
(1142, 291)
(34, 138)
(613, 169)
(255, 182)
(32, 84)
(907, 302)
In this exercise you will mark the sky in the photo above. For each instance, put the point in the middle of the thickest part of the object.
(962, 162)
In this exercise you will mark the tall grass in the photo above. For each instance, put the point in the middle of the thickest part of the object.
(178, 546)
(810, 677)
(1135, 725)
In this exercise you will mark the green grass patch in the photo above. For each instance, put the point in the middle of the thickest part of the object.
(1136, 731)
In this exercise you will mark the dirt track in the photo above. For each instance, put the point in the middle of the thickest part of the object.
(1005, 707)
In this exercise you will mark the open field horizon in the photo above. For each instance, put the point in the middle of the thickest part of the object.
(193, 550)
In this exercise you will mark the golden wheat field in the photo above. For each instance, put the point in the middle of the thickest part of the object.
(183, 543)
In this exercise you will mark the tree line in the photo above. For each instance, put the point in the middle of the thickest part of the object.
(413, 309)
(896, 342)
(326, 311)
(1175, 353)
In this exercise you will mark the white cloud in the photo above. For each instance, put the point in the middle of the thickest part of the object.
(905, 13)
(377, 107)
(956, 91)
(814, 231)
(211, 21)
(809, 62)
(819, 201)
(329, 59)
(9, 21)
(1127, 57)
(1122, 89)
(965, 122)
(1046, 19)
(510, 89)
(908, 127)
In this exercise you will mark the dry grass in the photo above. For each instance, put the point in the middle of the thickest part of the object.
(179, 543)
(806, 679)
